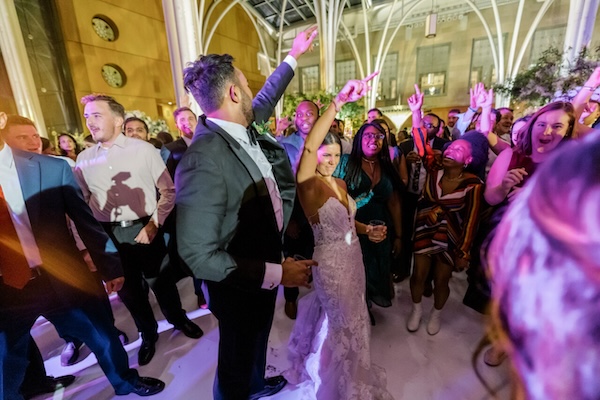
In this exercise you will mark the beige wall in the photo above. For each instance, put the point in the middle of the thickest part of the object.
(141, 51)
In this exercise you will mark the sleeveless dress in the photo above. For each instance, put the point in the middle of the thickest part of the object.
(377, 257)
(329, 346)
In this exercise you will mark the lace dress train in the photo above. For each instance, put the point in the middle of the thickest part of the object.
(330, 344)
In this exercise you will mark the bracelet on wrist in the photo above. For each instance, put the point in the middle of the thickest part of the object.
(590, 88)
(336, 106)
(473, 109)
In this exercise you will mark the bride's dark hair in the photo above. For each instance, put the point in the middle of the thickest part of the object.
(332, 138)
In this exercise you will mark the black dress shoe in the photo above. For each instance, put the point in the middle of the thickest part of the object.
(49, 385)
(147, 350)
(146, 386)
(190, 329)
(272, 386)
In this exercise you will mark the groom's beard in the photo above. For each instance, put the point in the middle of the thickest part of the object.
(247, 108)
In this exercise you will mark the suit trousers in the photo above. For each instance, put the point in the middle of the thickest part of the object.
(142, 270)
(245, 321)
(88, 321)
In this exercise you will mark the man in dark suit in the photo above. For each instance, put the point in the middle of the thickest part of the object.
(235, 194)
(171, 153)
(43, 273)
(186, 122)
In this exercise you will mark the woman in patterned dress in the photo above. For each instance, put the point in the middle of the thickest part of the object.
(446, 223)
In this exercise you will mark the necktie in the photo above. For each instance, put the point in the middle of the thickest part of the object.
(13, 264)
(252, 133)
(423, 147)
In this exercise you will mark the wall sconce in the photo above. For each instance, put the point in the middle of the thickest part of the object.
(431, 25)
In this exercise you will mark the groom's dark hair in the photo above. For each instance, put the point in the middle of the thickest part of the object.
(206, 78)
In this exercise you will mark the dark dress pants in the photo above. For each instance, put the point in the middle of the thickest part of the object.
(245, 320)
(174, 265)
(142, 270)
(303, 245)
(35, 374)
(88, 320)
(409, 210)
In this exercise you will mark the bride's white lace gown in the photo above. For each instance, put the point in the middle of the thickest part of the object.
(329, 345)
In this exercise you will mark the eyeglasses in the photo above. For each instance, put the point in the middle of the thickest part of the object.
(378, 136)
(429, 126)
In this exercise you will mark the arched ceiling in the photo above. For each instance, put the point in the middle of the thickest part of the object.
(300, 12)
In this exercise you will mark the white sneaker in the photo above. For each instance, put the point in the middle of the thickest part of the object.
(414, 319)
(433, 325)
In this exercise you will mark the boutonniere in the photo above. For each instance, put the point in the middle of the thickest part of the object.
(263, 128)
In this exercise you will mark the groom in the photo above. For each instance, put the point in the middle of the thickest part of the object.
(235, 193)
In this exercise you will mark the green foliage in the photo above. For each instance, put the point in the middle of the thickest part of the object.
(545, 79)
(350, 112)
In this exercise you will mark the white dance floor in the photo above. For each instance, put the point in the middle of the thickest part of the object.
(418, 366)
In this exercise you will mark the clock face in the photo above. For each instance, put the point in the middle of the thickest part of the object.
(104, 28)
(113, 75)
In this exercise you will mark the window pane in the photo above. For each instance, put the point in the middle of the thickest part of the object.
(432, 64)
(388, 77)
(309, 79)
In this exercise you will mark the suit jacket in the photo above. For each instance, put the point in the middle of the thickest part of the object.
(226, 226)
(171, 154)
(51, 193)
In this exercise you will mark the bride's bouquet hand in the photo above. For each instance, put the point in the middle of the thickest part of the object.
(353, 90)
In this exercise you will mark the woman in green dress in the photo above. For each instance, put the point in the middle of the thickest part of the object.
(374, 184)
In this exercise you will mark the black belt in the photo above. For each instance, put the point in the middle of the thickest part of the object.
(127, 224)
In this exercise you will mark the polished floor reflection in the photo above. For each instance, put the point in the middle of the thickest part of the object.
(418, 366)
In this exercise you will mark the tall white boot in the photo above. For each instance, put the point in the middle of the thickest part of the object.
(414, 319)
(433, 326)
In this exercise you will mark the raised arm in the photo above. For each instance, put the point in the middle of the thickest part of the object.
(464, 119)
(415, 103)
(581, 100)
(353, 91)
(265, 100)
(484, 100)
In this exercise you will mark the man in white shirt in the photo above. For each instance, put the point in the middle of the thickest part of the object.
(120, 178)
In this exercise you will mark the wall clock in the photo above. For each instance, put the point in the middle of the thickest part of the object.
(113, 75)
(105, 28)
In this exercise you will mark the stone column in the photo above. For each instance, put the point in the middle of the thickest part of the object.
(328, 15)
(580, 26)
(20, 76)
(183, 37)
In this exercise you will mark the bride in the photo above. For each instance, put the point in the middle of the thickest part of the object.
(329, 345)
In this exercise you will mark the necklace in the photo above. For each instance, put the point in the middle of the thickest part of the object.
(453, 179)
(371, 164)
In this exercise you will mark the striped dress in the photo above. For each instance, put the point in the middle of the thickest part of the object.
(447, 224)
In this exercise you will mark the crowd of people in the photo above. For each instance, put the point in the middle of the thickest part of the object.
(242, 213)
